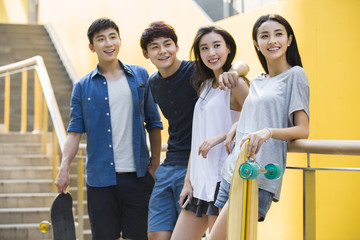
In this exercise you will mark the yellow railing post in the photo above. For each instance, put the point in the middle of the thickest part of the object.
(45, 126)
(309, 205)
(7, 103)
(24, 84)
(37, 102)
(55, 158)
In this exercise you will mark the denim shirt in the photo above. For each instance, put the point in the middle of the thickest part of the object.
(90, 114)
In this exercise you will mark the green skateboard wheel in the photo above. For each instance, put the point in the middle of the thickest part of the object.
(274, 171)
(248, 170)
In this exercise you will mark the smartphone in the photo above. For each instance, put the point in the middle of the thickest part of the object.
(186, 202)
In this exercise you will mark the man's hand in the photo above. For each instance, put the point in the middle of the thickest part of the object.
(228, 80)
(152, 169)
(62, 180)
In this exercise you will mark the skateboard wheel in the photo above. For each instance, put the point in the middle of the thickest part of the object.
(248, 170)
(45, 226)
(274, 171)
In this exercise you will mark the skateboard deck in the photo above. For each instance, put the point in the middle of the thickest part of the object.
(243, 204)
(62, 218)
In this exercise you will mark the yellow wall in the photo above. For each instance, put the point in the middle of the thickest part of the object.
(71, 19)
(328, 36)
(13, 11)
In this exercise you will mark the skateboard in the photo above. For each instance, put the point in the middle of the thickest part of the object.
(62, 219)
(243, 199)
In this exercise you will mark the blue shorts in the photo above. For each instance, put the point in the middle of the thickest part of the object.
(265, 198)
(120, 209)
(164, 207)
(223, 194)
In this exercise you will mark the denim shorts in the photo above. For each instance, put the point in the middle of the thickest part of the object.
(164, 207)
(223, 194)
(265, 198)
(120, 209)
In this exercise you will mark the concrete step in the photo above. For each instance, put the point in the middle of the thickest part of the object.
(75, 205)
(20, 148)
(26, 200)
(74, 179)
(16, 137)
(24, 215)
(25, 160)
(23, 231)
(17, 173)
(86, 222)
(87, 234)
(26, 186)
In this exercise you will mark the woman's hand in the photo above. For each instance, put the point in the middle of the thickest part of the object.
(205, 147)
(186, 191)
(230, 137)
(256, 140)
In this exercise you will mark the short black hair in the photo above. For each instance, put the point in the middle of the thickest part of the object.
(156, 30)
(101, 24)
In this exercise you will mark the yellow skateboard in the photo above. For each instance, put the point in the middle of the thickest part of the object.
(243, 199)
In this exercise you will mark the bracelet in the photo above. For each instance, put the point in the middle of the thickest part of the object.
(270, 134)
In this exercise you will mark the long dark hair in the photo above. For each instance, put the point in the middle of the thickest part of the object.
(292, 53)
(202, 72)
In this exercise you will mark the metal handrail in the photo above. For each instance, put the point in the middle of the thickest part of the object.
(311, 146)
(41, 78)
(333, 147)
(37, 63)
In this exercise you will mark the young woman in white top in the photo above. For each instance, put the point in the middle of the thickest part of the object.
(215, 112)
(275, 112)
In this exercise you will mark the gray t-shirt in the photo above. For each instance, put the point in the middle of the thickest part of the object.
(271, 104)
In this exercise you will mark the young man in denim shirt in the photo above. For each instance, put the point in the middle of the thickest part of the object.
(113, 106)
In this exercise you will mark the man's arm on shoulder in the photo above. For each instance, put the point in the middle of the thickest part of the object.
(71, 148)
(230, 79)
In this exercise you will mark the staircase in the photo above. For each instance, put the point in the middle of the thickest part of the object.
(26, 187)
(19, 42)
(26, 192)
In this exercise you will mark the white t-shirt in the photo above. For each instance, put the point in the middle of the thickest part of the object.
(212, 116)
(121, 113)
(271, 104)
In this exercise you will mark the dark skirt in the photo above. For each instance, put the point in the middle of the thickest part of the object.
(200, 207)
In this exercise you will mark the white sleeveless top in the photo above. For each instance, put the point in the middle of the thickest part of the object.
(212, 116)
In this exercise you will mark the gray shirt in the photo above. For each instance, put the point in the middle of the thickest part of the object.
(271, 104)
